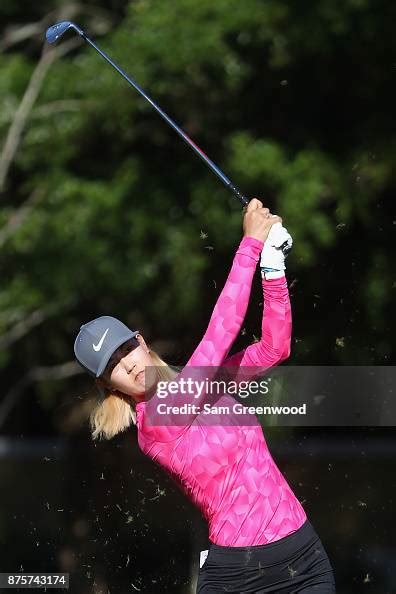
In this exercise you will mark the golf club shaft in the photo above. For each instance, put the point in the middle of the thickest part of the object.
(185, 137)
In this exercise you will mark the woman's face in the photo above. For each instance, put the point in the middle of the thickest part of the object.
(125, 370)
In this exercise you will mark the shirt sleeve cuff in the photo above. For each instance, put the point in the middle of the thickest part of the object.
(250, 246)
(274, 274)
(275, 280)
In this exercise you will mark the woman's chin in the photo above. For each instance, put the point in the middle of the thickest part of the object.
(140, 385)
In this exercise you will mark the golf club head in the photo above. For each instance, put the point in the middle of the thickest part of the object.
(56, 31)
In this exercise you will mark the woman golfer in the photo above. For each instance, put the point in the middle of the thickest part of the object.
(260, 539)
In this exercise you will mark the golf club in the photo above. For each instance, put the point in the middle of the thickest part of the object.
(57, 31)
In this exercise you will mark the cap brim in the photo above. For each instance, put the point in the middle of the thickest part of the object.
(115, 346)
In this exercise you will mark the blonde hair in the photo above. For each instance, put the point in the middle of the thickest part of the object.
(114, 412)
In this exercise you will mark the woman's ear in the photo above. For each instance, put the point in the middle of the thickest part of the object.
(142, 342)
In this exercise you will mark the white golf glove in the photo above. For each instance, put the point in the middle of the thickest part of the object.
(276, 246)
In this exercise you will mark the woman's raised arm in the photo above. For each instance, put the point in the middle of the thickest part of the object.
(276, 327)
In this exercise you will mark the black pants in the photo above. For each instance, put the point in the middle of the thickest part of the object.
(297, 563)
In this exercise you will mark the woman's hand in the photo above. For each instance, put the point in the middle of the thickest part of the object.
(278, 244)
(258, 220)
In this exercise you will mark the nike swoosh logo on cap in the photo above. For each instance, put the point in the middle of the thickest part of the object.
(97, 347)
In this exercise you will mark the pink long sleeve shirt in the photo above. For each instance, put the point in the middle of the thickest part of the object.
(227, 470)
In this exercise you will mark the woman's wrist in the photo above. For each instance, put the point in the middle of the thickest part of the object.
(250, 246)
(271, 273)
(256, 239)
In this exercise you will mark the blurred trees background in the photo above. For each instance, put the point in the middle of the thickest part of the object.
(104, 210)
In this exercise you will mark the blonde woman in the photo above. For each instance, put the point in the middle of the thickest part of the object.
(260, 539)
